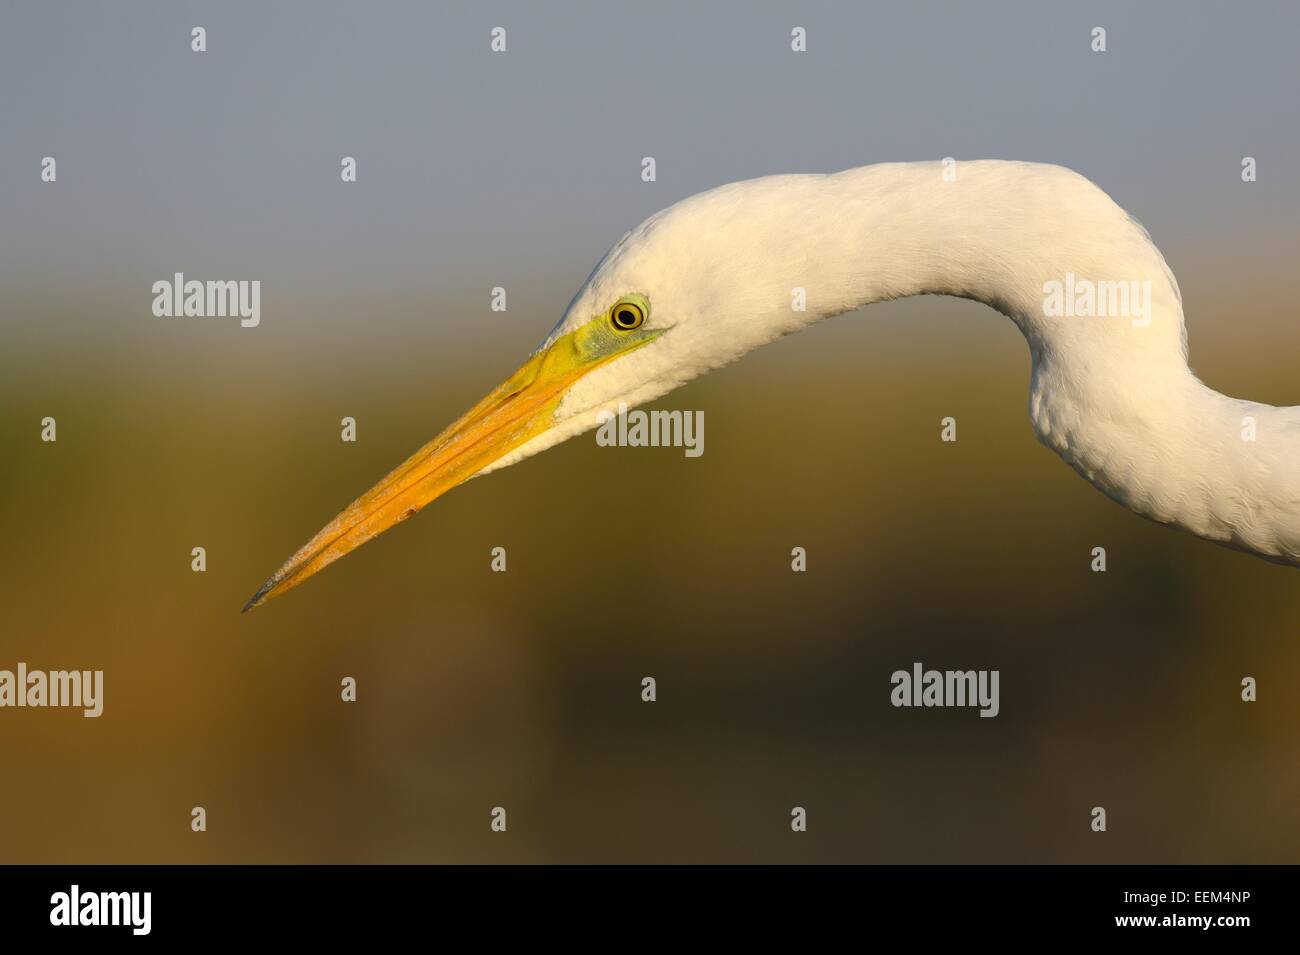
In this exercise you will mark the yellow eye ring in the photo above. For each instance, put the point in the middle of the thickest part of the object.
(626, 316)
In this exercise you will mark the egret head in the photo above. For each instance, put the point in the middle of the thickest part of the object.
(684, 292)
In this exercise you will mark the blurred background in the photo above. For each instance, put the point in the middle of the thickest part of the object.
(522, 689)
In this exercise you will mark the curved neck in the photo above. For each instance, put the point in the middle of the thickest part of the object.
(1111, 391)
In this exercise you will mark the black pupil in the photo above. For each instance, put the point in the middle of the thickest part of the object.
(626, 318)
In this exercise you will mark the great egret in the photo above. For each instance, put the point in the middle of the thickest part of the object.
(706, 280)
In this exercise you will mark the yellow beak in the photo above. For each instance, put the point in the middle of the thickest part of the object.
(519, 409)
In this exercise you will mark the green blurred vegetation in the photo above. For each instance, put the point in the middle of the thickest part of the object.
(522, 689)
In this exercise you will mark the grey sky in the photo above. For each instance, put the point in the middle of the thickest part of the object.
(479, 169)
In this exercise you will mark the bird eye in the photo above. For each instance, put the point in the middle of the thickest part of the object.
(626, 316)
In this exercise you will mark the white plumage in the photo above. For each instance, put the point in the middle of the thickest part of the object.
(1113, 396)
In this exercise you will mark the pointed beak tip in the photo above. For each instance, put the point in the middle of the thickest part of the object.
(516, 411)
(257, 599)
